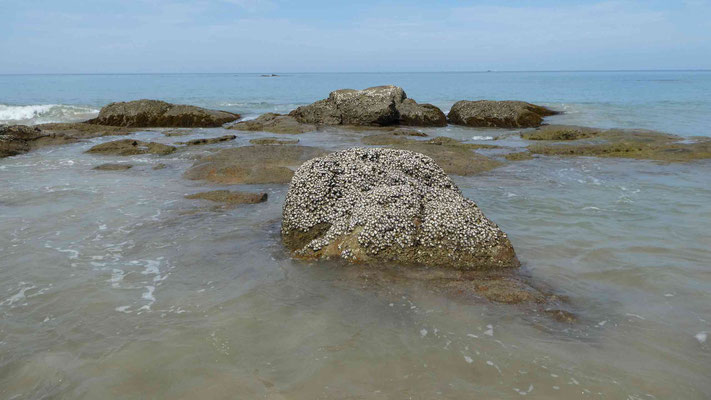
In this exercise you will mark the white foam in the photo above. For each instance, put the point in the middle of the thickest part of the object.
(701, 337)
(482, 138)
(489, 331)
(468, 359)
(44, 113)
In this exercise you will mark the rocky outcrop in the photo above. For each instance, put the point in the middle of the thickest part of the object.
(252, 164)
(375, 106)
(376, 204)
(560, 132)
(19, 139)
(274, 123)
(130, 147)
(81, 130)
(228, 197)
(155, 113)
(203, 141)
(498, 114)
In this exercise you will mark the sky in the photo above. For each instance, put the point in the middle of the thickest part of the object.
(152, 36)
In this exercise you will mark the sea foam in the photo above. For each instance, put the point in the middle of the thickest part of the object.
(44, 113)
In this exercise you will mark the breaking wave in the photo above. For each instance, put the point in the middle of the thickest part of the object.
(44, 113)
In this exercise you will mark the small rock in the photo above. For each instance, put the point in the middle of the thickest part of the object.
(498, 114)
(274, 141)
(203, 141)
(129, 147)
(113, 167)
(274, 123)
(228, 197)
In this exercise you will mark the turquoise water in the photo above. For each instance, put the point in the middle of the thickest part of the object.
(671, 101)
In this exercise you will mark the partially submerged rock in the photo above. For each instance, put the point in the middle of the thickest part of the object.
(498, 114)
(452, 155)
(229, 197)
(155, 113)
(375, 106)
(519, 156)
(252, 164)
(376, 204)
(203, 141)
(130, 147)
(113, 167)
(622, 143)
(560, 132)
(81, 130)
(273, 141)
(19, 139)
(274, 123)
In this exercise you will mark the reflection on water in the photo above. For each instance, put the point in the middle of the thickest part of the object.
(112, 284)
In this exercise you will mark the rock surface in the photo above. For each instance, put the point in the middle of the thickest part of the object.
(130, 147)
(19, 139)
(228, 197)
(498, 114)
(252, 164)
(203, 141)
(113, 167)
(81, 130)
(452, 155)
(273, 141)
(274, 123)
(560, 132)
(376, 204)
(155, 113)
(375, 106)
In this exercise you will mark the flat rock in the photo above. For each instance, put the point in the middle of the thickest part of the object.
(377, 204)
(375, 106)
(203, 141)
(130, 147)
(274, 141)
(498, 114)
(560, 132)
(19, 139)
(453, 156)
(252, 164)
(81, 130)
(274, 123)
(113, 167)
(230, 197)
(156, 113)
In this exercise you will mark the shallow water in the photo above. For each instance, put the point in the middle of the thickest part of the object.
(113, 285)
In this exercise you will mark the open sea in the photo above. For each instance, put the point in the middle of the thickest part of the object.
(113, 285)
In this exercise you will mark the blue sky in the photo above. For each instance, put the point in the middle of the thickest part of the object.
(82, 36)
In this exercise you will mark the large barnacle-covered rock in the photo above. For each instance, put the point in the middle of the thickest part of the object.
(377, 204)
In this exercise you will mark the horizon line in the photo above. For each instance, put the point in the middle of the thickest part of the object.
(359, 72)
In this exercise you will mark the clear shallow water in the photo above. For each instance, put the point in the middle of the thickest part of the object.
(113, 285)
(670, 101)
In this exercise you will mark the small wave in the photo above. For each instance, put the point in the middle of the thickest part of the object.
(482, 138)
(44, 113)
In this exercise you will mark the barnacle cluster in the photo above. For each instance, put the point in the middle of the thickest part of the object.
(388, 204)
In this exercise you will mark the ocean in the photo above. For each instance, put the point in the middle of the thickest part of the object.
(113, 285)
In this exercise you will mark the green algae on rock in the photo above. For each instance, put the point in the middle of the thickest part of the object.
(622, 143)
(130, 147)
(156, 113)
(230, 197)
(519, 156)
(498, 114)
(560, 132)
(252, 164)
(19, 139)
(379, 204)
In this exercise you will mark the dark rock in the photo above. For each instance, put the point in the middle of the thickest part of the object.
(19, 139)
(252, 164)
(228, 197)
(155, 113)
(81, 130)
(199, 142)
(273, 141)
(375, 106)
(375, 204)
(498, 114)
(274, 123)
(560, 132)
(159, 166)
(130, 147)
(113, 167)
